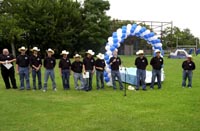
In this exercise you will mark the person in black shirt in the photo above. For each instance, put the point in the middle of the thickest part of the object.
(141, 64)
(8, 72)
(65, 69)
(188, 66)
(89, 67)
(22, 66)
(156, 63)
(49, 64)
(77, 67)
(115, 62)
(100, 65)
(36, 63)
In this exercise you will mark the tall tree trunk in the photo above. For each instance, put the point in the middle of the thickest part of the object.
(13, 48)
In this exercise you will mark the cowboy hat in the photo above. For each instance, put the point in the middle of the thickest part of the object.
(90, 52)
(157, 50)
(35, 49)
(189, 56)
(22, 48)
(100, 56)
(140, 52)
(77, 56)
(64, 52)
(50, 50)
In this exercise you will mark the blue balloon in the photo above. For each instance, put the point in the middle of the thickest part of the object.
(105, 74)
(115, 45)
(114, 35)
(112, 48)
(143, 29)
(107, 79)
(107, 61)
(123, 31)
(106, 57)
(115, 40)
(124, 27)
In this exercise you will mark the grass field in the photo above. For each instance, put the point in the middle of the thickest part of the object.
(170, 109)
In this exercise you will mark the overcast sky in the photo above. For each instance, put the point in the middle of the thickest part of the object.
(183, 13)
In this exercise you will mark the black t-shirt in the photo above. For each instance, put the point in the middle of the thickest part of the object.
(22, 60)
(35, 60)
(89, 63)
(49, 62)
(141, 63)
(100, 63)
(77, 67)
(64, 63)
(188, 65)
(157, 63)
(115, 65)
(6, 58)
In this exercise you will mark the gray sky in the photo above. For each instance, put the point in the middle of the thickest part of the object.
(183, 13)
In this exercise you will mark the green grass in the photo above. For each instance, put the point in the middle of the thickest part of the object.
(171, 108)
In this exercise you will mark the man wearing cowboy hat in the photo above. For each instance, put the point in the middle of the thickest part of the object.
(115, 63)
(100, 65)
(188, 66)
(141, 64)
(8, 72)
(156, 63)
(65, 69)
(77, 67)
(49, 65)
(36, 63)
(22, 66)
(89, 66)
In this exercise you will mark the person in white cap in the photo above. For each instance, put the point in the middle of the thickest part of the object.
(49, 65)
(22, 67)
(89, 66)
(141, 63)
(115, 63)
(65, 69)
(100, 65)
(157, 64)
(188, 66)
(8, 73)
(36, 63)
(77, 67)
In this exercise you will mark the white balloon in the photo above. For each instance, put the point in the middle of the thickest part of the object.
(129, 26)
(137, 29)
(109, 83)
(119, 39)
(109, 52)
(110, 43)
(108, 70)
(145, 33)
(158, 44)
(153, 38)
(118, 44)
(110, 39)
(109, 75)
(119, 32)
(107, 47)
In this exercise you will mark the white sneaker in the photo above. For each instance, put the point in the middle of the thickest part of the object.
(55, 89)
(44, 90)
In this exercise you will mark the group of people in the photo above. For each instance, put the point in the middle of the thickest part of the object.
(82, 70)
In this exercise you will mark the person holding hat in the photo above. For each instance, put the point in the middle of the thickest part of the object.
(65, 69)
(99, 66)
(8, 72)
(49, 65)
(188, 66)
(22, 66)
(156, 63)
(77, 67)
(141, 63)
(115, 63)
(89, 66)
(36, 63)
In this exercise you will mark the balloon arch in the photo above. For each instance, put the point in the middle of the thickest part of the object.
(120, 35)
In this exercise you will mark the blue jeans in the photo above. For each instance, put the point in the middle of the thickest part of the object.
(99, 79)
(88, 81)
(65, 79)
(24, 74)
(38, 74)
(46, 77)
(78, 76)
(156, 73)
(114, 75)
(187, 74)
(141, 76)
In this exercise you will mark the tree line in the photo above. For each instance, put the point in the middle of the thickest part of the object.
(62, 24)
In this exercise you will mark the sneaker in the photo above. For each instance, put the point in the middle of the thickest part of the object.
(183, 86)
(54, 89)
(189, 87)
(44, 90)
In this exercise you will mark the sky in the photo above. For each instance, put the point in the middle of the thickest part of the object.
(183, 13)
